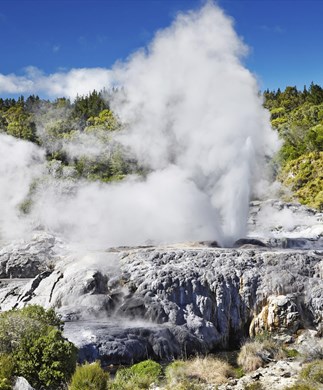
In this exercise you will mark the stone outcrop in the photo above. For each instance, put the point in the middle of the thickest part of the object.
(28, 259)
(187, 300)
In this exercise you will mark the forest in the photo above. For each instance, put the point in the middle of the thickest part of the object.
(296, 115)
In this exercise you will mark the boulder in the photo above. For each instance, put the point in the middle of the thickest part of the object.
(281, 315)
(22, 384)
(28, 259)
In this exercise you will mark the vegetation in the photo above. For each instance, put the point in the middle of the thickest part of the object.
(61, 128)
(255, 354)
(304, 176)
(310, 377)
(298, 118)
(313, 372)
(89, 376)
(195, 373)
(300, 386)
(139, 376)
(32, 346)
(6, 371)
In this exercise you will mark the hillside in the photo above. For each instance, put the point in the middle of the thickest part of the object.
(298, 118)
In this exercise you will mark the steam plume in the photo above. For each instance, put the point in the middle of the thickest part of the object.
(193, 116)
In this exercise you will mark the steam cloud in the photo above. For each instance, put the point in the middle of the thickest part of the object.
(193, 116)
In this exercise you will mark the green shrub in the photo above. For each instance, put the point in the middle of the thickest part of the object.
(124, 380)
(147, 369)
(6, 367)
(48, 360)
(6, 372)
(5, 384)
(46, 317)
(176, 372)
(88, 377)
(139, 376)
(31, 321)
(304, 177)
(33, 338)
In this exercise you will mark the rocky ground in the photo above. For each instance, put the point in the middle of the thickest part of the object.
(124, 305)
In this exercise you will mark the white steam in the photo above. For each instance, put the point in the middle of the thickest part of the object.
(193, 117)
(20, 164)
(191, 103)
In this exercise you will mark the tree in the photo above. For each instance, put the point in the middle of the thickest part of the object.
(106, 120)
(89, 105)
(33, 338)
(19, 123)
(315, 94)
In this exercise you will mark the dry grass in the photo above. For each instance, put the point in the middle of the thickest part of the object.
(210, 370)
(188, 374)
(255, 354)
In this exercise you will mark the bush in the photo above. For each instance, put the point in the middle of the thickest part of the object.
(45, 317)
(147, 369)
(5, 384)
(176, 373)
(6, 372)
(40, 353)
(48, 360)
(31, 321)
(6, 366)
(89, 376)
(139, 376)
(255, 354)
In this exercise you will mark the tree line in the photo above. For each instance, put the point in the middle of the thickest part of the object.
(62, 122)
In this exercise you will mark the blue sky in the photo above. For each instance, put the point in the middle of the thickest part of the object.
(285, 37)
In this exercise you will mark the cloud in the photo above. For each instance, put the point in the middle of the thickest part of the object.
(68, 83)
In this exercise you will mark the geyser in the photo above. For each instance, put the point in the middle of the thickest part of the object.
(192, 115)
